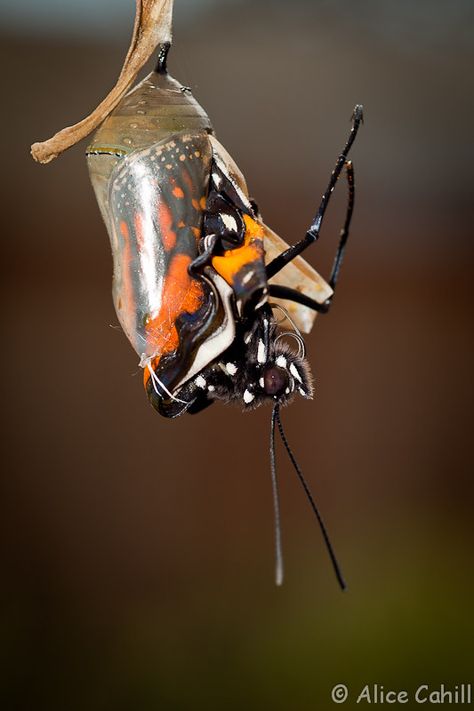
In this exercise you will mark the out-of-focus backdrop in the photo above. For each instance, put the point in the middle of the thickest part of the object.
(136, 553)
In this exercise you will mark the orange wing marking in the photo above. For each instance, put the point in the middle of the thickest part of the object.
(165, 219)
(181, 294)
(232, 261)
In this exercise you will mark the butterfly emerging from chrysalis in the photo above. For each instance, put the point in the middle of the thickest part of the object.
(200, 282)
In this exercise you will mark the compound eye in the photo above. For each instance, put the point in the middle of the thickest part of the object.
(275, 381)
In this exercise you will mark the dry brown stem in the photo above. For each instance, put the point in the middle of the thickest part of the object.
(152, 26)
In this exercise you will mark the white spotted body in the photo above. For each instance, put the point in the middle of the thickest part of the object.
(262, 368)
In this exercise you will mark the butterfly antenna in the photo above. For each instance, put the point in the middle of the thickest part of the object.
(276, 503)
(332, 555)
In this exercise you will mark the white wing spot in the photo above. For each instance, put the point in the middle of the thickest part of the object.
(211, 388)
(263, 300)
(200, 382)
(231, 368)
(248, 397)
(294, 372)
(261, 355)
(261, 382)
(229, 222)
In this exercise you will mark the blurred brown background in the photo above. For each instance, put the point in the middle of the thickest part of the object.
(137, 553)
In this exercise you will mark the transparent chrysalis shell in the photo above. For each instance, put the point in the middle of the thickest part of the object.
(159, 139)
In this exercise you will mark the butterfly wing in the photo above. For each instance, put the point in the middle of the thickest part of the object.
(157, 196)
(298, 274)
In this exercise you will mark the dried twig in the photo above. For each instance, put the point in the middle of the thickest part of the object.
(152, 26)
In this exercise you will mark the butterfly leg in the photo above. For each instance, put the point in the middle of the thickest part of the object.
(313, 233)
(284, 292)
(289, 294)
